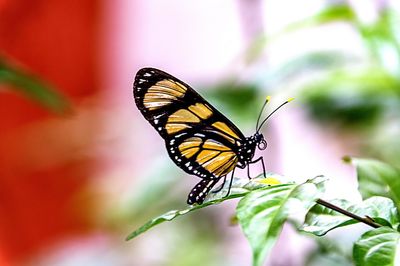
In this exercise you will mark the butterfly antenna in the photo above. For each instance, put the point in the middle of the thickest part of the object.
(262, 123)
(262, 109)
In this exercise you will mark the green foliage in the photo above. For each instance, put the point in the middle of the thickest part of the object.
(361, 98)
(377, 178)
(237, 101)
(276, 203)
(348, 90)
(379, 185)
(377, 247)
(32, 87)
(351, 99)
(263, 212)
(318, 60)
(329, 253)
(320, 219)
(263, 209)
(332, 13)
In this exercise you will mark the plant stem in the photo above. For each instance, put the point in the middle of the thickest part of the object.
(366, 220)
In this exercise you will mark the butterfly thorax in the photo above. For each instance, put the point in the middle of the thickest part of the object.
(248, 148)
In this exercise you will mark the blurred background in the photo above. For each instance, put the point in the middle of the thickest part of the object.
(80, 168)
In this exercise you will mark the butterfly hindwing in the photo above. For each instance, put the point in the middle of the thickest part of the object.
(206, 156)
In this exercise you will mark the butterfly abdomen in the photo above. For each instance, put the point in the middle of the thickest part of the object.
(200, 191)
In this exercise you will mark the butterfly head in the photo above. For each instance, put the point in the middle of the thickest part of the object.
(260, 141)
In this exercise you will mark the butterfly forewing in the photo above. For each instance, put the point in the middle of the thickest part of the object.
(199, 139)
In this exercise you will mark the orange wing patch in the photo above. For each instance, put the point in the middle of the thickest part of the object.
(230, 163)
(214, 145)
(224, 128)
(216, 158)
(221, 164)
(190, 152)
(211, 155)
(205, 156)
(201, 110)
(178, 121)
(183, 116)
(190, 147)
(169, 83)
(163, 93)
(225, 131)
(174, 128)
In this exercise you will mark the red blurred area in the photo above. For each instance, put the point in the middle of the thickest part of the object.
(55, 40)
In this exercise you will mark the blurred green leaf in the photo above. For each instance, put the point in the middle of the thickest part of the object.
(377, 247)
(382, 38)
(191, 243)
(147, 193)
(320, 220)
(331, 13)
(377, 178)
(237, 101)
(327, 259)
(32, 87)
(386, 144)
(351, 99)
(319, 60)
(329, 253)
(263, 212)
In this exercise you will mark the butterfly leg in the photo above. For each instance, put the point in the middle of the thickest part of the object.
(222, 186)
(263, 166)
(230, 183)
(248, 171)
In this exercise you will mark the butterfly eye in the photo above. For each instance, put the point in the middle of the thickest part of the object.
(262, 145)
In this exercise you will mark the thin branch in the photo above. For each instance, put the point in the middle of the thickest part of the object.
(367, 220)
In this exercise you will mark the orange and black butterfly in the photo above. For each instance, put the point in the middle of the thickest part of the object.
(199, 139)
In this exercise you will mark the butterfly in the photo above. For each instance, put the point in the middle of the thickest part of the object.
(199, 139)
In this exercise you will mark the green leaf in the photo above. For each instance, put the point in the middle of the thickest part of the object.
(382, 40)
(239, 101)
(332, 13)
(377, 178)
(239, 188)
(329, 253)
(377, 247)
(32, 87)
(320, 220)
(351, 99)
(263, 212)
(318, 60)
